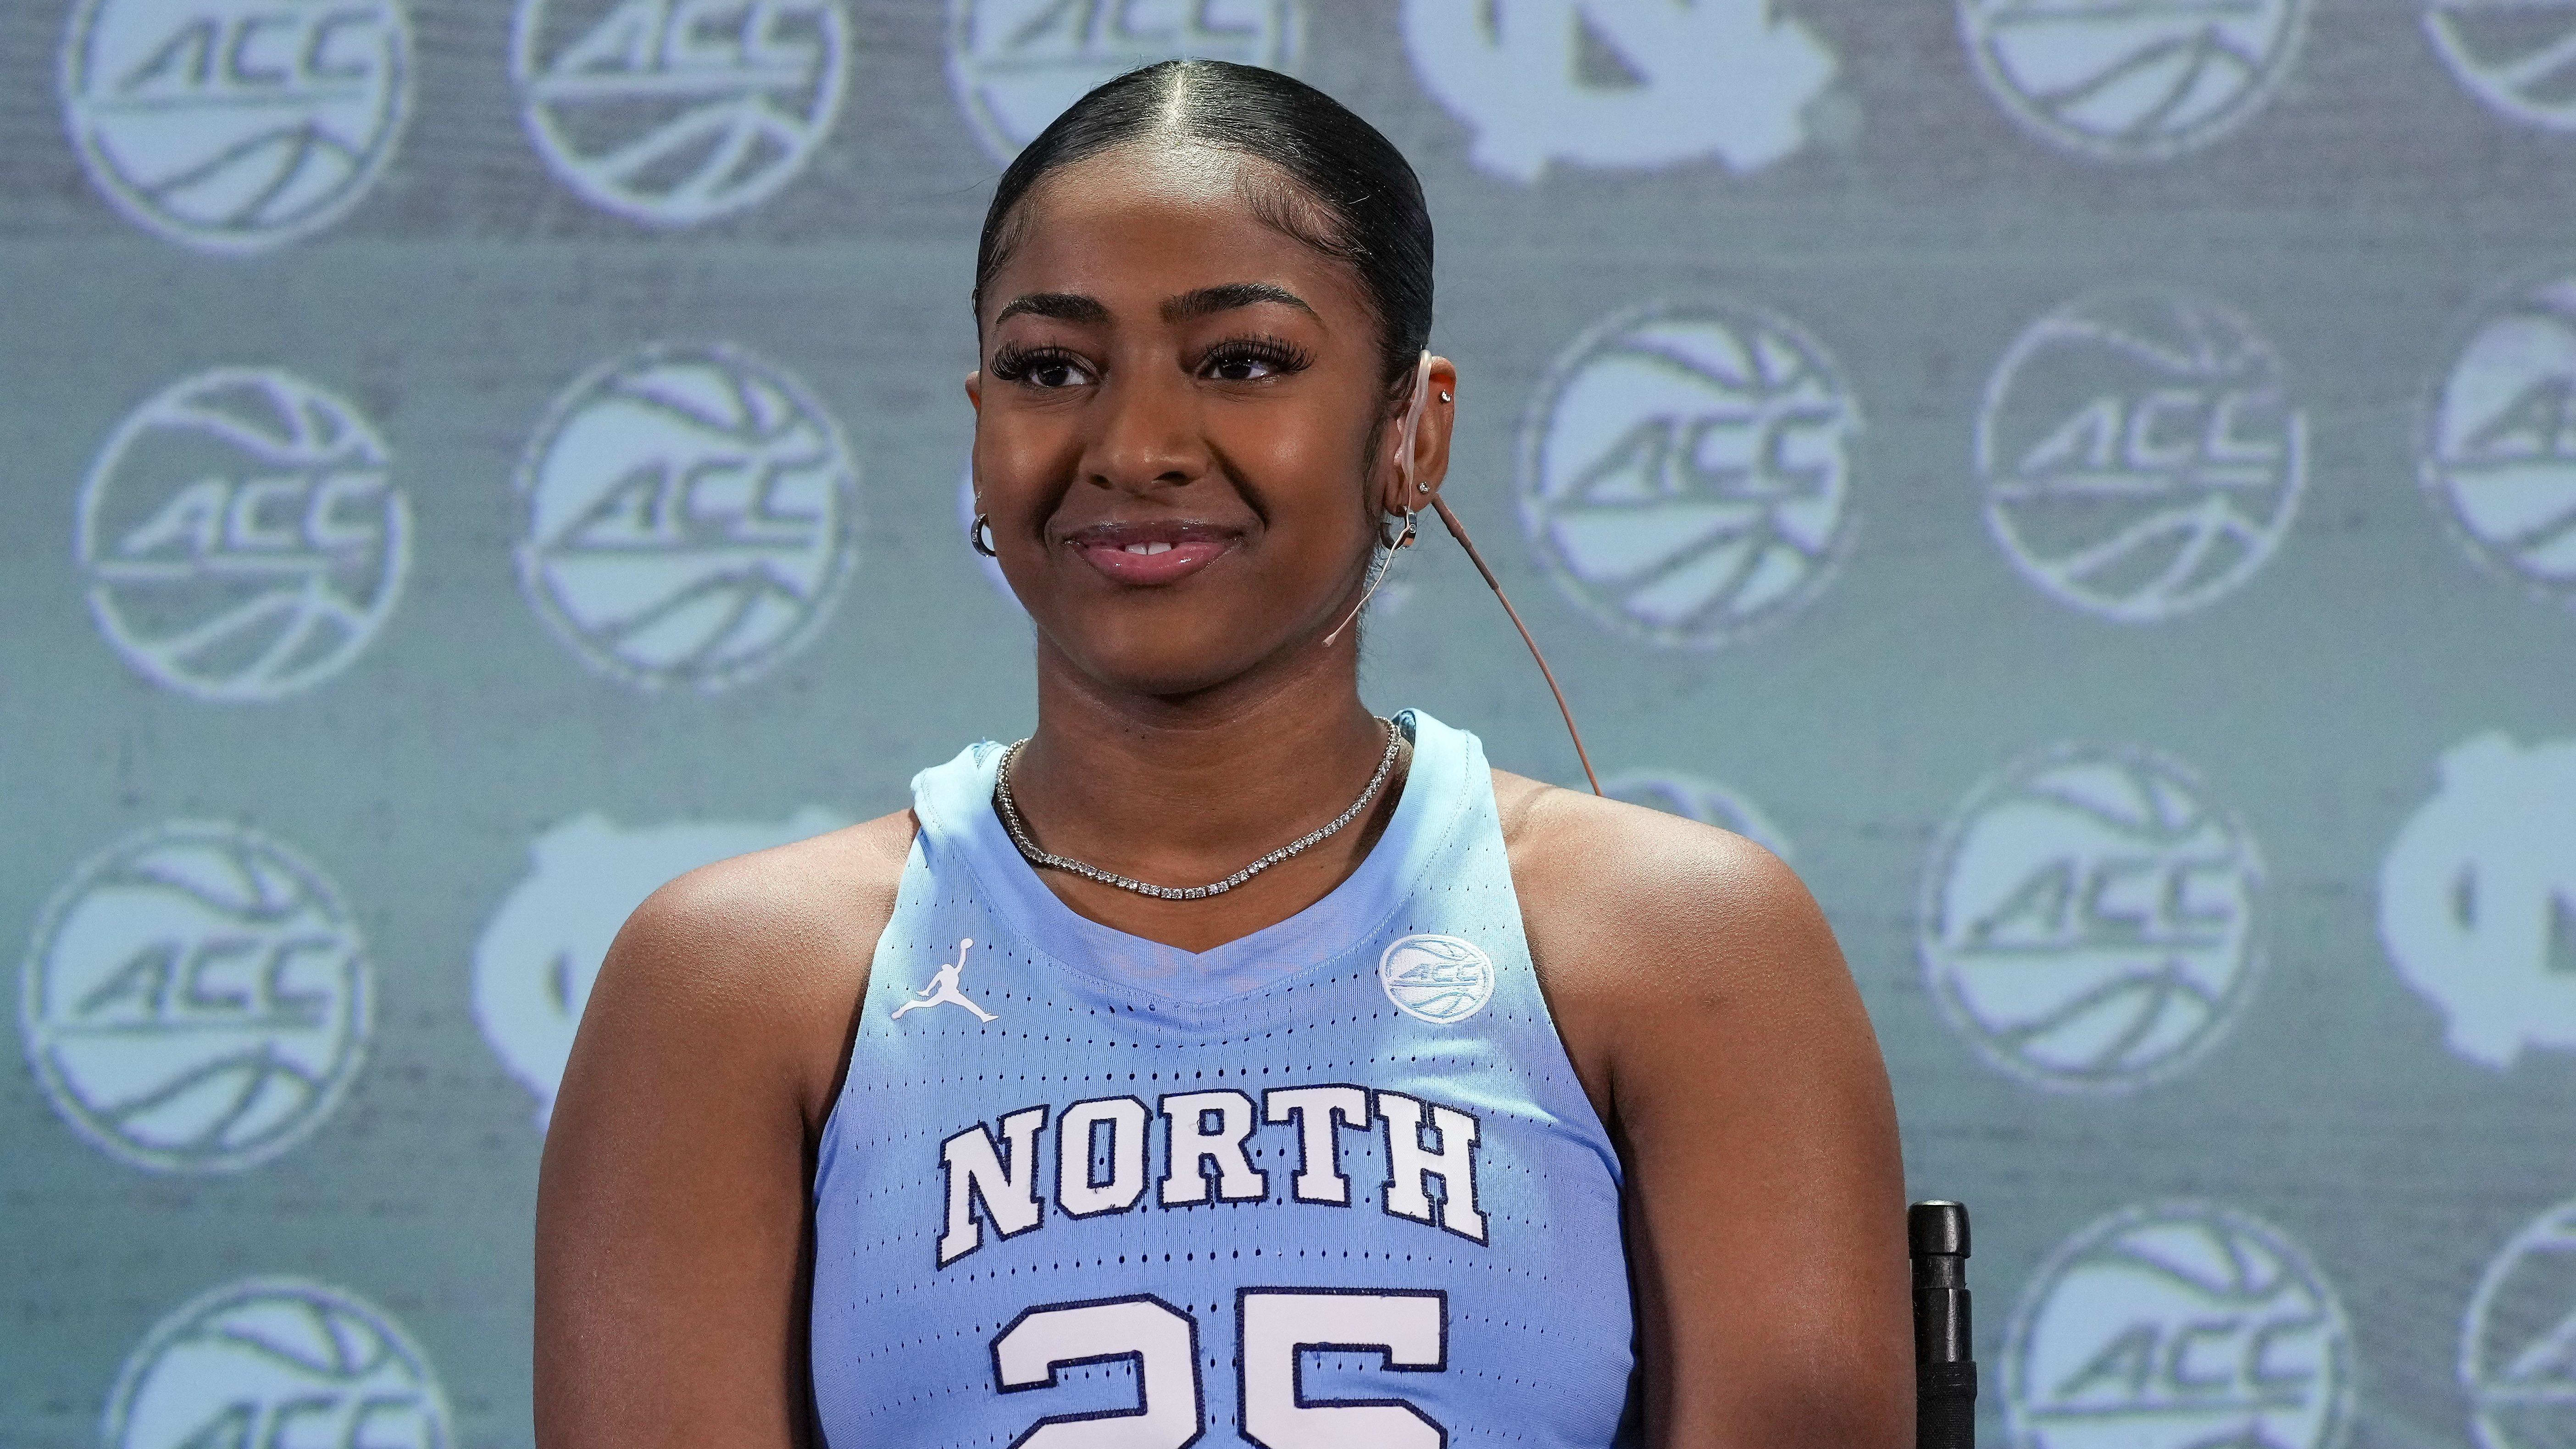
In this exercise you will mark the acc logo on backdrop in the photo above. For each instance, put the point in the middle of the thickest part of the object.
(1630, 83)
(2519, 58)
(2131, 80)
(673, 112)
(2178, 1326)
(276, 1361)
(1017, 64)
(2089, 919)
(196, 999)
(2477, 898)
(537, 958)
(1701, 800)
(688, 517)
(231, 126)
(1437, 979)
(242, 536)
(2497, 450)
(1685, 471)
(2139, 454)
(2518, 1342)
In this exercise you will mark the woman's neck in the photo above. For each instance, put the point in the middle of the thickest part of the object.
(1184, 791)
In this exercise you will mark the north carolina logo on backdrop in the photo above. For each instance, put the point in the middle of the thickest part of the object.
(2518, 57)
(2140, 454)
(2089, 919)
(2178, 1325)
(242, 535)
(2518, 1340)
(2477, 898)
(232, 126)
(540, 952)
(1441, 980)
(1685, 471)
(2132, 80)
(1016, 65)
(2497, 449)
(277, 1361)
(196, 999)
(674, 112)
(1619, 83)
(1705, 801)
(688, 517)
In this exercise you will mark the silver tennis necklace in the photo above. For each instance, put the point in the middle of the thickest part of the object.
(1047, 860)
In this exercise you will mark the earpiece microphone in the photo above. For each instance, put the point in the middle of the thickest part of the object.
(1404, 473)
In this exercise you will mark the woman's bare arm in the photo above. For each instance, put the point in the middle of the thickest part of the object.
(674, 1235)
(1709, 1012)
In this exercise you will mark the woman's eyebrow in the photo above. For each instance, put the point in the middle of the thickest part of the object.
(1062, 306)
(1229, 296)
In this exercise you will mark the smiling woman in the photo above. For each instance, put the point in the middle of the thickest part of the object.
(1038, 1114)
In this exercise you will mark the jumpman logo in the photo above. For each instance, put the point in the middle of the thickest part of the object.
(942, 989)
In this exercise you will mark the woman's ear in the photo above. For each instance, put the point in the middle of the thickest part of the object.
(975, 390)
(1420, 451)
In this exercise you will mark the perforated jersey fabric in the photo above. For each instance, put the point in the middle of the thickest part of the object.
(1331, 1184)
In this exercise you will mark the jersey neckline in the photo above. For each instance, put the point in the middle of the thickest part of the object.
(954, 804)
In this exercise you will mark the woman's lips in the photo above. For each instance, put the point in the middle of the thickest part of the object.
(1149, 555)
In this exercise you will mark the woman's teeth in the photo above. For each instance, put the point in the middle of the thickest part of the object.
(1148, 548)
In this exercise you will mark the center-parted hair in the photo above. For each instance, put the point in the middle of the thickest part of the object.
(1347, 191)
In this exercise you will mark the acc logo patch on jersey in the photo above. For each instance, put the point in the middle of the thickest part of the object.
(242, 536)
(1685, 471)
(1017, 64)
(196, 999)
(540, 952)
(2518, 57)
(2477, 898)
(2140, 454)
(1619, 83)
(674, 112)
(2178, 1326)
(1438, 979)
(688, 517)
(2497, 451)
(2131, 80)
(277, 1361)
(2089, 919)
(2518, 1342)
(232, 126)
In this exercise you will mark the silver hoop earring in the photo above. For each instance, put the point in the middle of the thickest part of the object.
(979, 535)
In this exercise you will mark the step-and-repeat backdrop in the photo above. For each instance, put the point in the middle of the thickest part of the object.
(2091, 482)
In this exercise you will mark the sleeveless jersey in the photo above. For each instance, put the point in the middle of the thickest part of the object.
(1329, 1186)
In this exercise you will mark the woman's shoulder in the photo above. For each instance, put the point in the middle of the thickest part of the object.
(762, 957)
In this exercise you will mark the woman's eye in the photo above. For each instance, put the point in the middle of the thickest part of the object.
(1047, 370)
(1240, 369)
(1054, 373)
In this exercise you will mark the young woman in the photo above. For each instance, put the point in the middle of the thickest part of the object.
(1223, 1061)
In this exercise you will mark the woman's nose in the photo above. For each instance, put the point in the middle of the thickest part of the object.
(1147, 434)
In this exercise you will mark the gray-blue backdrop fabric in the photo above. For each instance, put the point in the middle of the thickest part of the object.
(2092, 482)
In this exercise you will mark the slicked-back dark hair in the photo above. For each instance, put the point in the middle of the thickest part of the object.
(1351, 194)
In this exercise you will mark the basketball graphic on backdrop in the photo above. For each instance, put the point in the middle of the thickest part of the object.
(1705, 801)
(688, 515)
(2089, 919)
(2496, 452)
(1685, 471)
(2477, 898)
(2131, 80)
(539, 954)
(196, 999)
(1611, 83)
(1016, 65)
(2517, 57)
(233, 126)
(2518, 1340)
(242, 536)
(2140, 454)
(670, 112)
(2178, 1325)
(277, 1362)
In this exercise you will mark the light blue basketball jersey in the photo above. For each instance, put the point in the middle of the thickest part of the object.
(1330, 1186)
